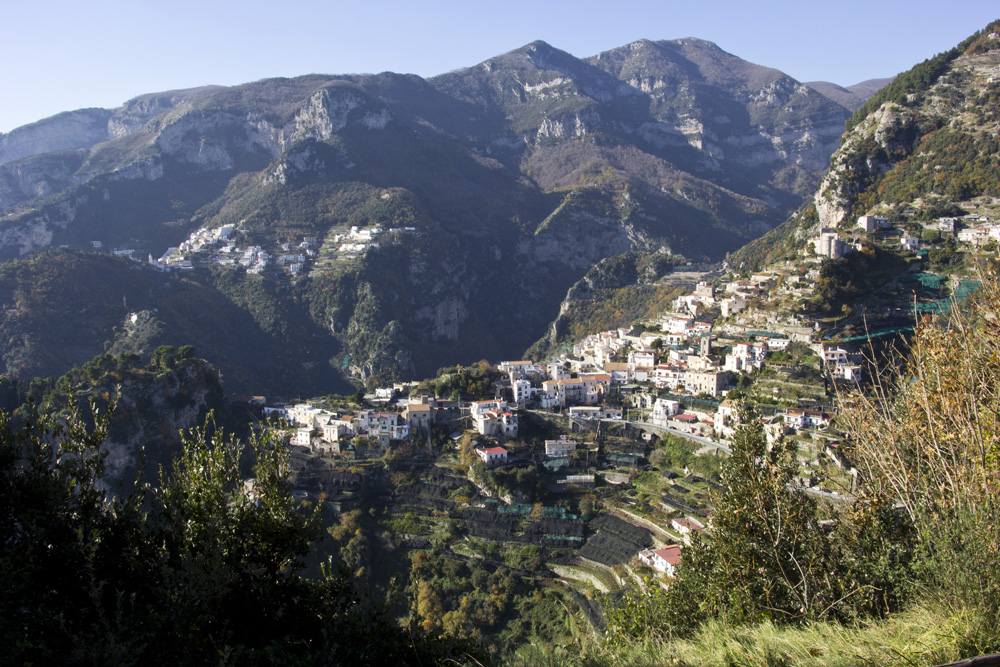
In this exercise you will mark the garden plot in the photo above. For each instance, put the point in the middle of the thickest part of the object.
(674, 502)
(615, 541)
(546, 532)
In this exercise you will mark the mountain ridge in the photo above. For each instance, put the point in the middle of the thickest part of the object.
(517, 175)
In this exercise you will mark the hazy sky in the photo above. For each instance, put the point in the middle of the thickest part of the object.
(59, 55)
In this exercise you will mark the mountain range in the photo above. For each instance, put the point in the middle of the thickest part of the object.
(496, 188)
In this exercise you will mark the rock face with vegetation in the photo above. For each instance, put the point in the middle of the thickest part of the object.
(146, 406)
(511, 178)
(920, 145)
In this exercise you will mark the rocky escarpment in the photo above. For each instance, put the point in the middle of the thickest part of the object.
(152, 412)
(63, 132)
(928, 137)
(167, 138)
(147, 406)
(736, 115)
(923, 144)
(866, 155)
(24, 180)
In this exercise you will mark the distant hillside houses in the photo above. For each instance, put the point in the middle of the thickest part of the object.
(559, 448)
(843, 363)
(494, 418)
(365, 433)
(979, 234)
(492, 455)
(219, 246)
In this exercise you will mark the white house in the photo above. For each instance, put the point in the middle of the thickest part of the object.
(585, 412)
(800, 419)
(870, 223)
(685, 527)
(677, 325)
(492, 455)
(726, 419)
(663, 560)
(523, 391)
(708, 382)
(303, 436)
(496, 422)
(663, 410)
(481, 407)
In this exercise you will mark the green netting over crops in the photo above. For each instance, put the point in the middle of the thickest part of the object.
(624, 459)
(521, 509)
(926, 280)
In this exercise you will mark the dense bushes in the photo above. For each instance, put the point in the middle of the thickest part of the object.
(773, 554)
(199, 569)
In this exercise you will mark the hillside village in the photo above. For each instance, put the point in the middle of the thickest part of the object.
(591, 420)
(229, 246)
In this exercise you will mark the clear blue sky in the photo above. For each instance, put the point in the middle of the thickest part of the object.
(59, 55)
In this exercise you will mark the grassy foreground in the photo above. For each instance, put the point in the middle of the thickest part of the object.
(920, 636)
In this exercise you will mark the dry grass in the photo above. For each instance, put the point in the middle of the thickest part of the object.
(919, 637)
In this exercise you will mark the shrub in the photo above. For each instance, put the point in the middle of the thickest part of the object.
(927, 436)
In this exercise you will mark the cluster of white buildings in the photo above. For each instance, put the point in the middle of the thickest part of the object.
(291, 257)
(976, 231)
(494, 418)
(696, 303)
(341, 433)
(201, 239)
(358, 241)
(841, 362)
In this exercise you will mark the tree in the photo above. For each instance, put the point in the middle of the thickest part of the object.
(768, 557)
(768, 550)
(198, 567)
(164, 357)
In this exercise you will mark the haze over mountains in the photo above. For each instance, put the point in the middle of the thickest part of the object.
(506, 182)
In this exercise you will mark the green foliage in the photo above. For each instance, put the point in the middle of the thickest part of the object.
(606, 308)
(199, 567)
(776, 244)
(676, 453)
(953, 163)
(928, 440)
(529, 483)
(467, 382)
(459, 599)
(771, 557)
(944, 255)
(795, 353)
(842, 281)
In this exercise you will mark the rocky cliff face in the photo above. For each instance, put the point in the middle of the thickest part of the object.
(64, 132)
(152, 412)
(942, 121)
(732, 111)
(922, 144)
